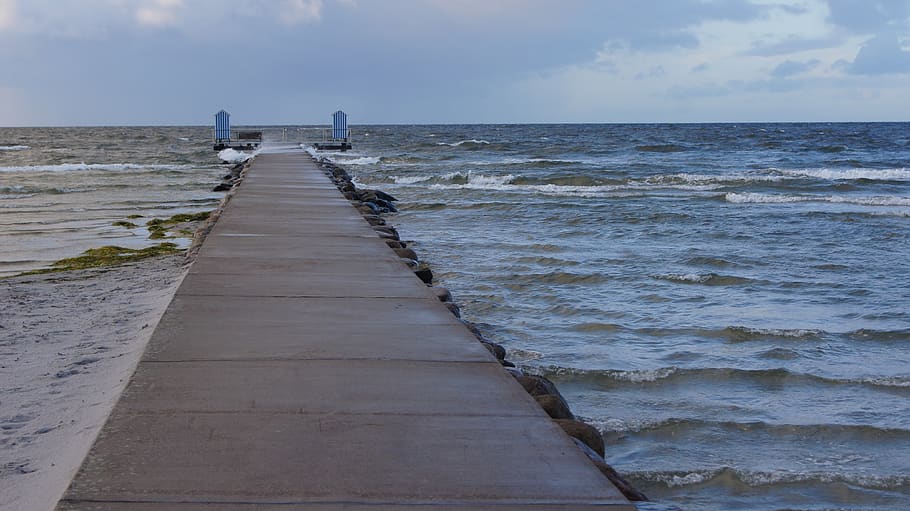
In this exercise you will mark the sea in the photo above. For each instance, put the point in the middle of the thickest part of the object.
(728, 303)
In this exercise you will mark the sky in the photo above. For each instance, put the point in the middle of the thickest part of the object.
(177, 62)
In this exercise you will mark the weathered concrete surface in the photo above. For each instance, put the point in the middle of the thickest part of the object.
(301, 365)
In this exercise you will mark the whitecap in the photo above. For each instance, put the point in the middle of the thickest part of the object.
(234, 156)
(897, 174)
(463, 142)
(865, 200)
(75, 167)
(14, 147)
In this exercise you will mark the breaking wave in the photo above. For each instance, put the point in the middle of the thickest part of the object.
(707, 279)
(112, 167)
(605, 376)
(472, 141)
(14, 147)
(729, 476)
(234, 156)
(761, 198)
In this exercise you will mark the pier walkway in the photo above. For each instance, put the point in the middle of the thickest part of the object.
(301, 365)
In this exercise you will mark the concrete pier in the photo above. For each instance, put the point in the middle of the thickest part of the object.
(302, 365)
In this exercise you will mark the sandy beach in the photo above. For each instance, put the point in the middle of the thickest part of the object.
(69, 342)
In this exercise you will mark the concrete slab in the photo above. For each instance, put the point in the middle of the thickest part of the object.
(305, 284)
(355, 267)
(327, 387)
(237, 457)
(221, 328)
(332, 247)
(472, 505)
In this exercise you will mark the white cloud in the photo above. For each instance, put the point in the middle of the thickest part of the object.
(301, 11)
(7, 14)
(159, 13)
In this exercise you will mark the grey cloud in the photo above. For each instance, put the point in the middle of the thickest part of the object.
(881, 55)
(790, 68)
(791, 44)
(869, 16)
(654, 25)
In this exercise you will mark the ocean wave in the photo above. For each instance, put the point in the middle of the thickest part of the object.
(14, 147)
(707, 279)
(742, 333)
(363, 160)
(864, 334)
(761, 198)
(234, 156)
(660, 374)
(472, 141)
(728, 476)
(660, 148)
(112, 167)
(897, 174)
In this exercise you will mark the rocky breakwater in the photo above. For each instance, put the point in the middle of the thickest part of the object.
(375, 205)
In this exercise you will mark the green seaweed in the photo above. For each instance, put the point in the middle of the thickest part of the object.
(123, 223)
(131, 217)
(189, 217)
(107, 256)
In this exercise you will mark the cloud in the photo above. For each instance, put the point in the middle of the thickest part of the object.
(869, 16)
(882, 54)
(791, 44)
(301, 11)
(7, 14)
(159, 13)
(655, 25)
(790, 68)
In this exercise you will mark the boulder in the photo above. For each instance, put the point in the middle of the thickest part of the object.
(555, 406)
(442, 293)
(538, 385)
(610, 473)
(496, 349)
(384, 196)
(425, 274)
(394, 244)
(584, 432)
(406, 253)
(388, 229)
(453, 309)
(222, 187)
(474, 330)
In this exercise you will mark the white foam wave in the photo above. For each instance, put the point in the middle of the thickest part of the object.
(410, 180)
(886, 381)
(693, 278)
(463, 142)
(14, 147)
(777, 332)
(761, 198)
(644, 375)
(363, 160)
(755, 478)
(75, 167)
(234, 156)
(901, 174)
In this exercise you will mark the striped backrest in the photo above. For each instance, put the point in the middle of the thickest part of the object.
(222, 126)
(339, 125)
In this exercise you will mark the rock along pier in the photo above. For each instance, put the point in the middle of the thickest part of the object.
(303, 365)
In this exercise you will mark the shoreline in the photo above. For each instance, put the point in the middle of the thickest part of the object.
(69, 342)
